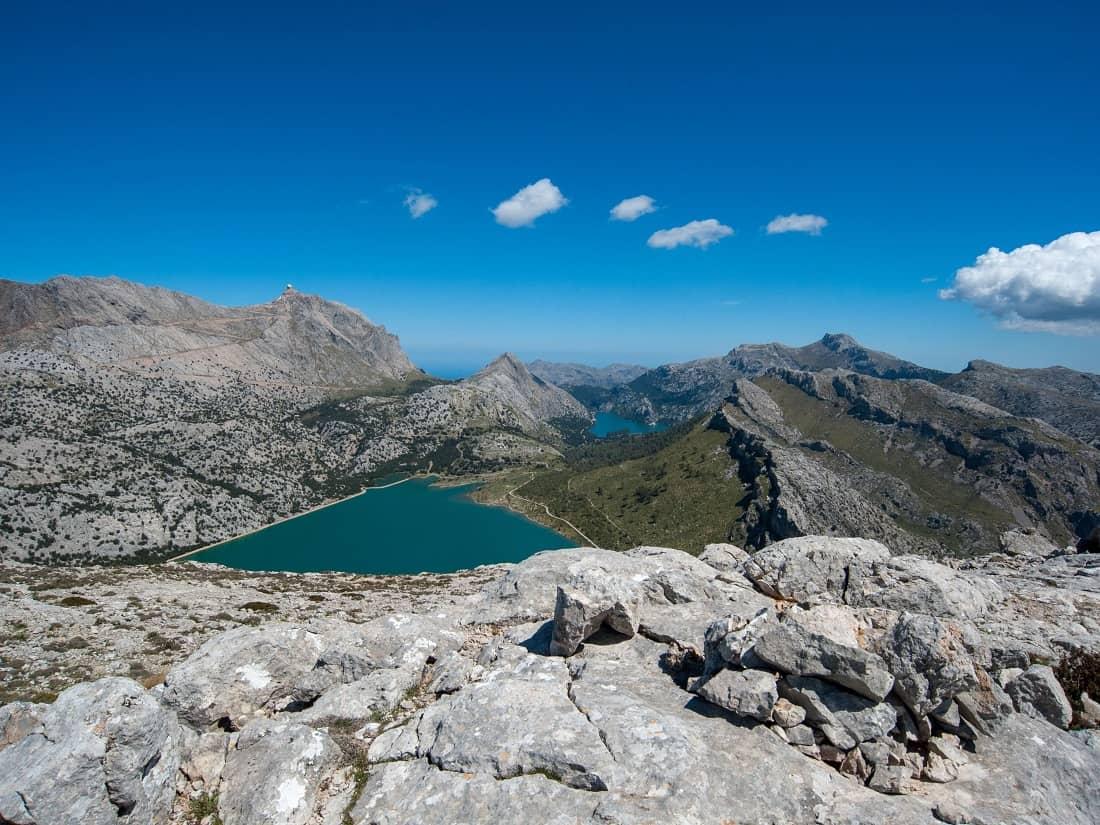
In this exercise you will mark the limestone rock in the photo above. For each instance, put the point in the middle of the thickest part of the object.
(240, 672)
(578, 613)
(844, 718)
(105, 753)
(729, 558)
(1037, 693)
(749, 693)
(793, 650)
(929, 662)
(889, 779)
(920, 585)
(811, 568)
(787, 714)
(274, 772)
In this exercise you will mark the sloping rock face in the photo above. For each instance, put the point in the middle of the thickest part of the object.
(820, 681)
(1068, 399)
(908, 463)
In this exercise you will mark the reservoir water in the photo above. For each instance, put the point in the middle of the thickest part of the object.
(608, 423)
(407, 528)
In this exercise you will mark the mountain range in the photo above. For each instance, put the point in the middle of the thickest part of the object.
(143, 422)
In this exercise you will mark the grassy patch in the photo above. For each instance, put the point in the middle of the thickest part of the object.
(202, 806)
(75, 601)
(260, 607)
(675, 490)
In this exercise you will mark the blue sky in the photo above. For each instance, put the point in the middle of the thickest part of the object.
(227, 151)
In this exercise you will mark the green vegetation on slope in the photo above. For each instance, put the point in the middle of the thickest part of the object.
(671, 488)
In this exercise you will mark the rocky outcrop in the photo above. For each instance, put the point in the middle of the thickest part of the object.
(587, 686)
(1068, 399)
(908, 463)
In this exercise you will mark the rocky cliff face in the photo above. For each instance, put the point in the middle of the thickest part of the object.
(906, 462)
(818, 680)
(1068, 399)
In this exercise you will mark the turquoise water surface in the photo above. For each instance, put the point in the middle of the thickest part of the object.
(408, 528)
(608, 423)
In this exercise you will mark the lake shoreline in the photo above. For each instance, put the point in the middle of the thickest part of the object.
(324, 505)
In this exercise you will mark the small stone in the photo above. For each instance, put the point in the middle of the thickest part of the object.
(938, 769)
(855, 765)
(801, 735)
(788, 714)
(750, 693)
(943, 745)
(1090, 711)
(832, 754)
(1006, 675)
(889, 779)
(876, 753)
(947, 714)
(951, 813)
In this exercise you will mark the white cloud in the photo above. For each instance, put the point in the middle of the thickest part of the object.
(697, 233)
(1053, 288)
(529, 203)
(633, 208)
(419, 203)
(810, 224)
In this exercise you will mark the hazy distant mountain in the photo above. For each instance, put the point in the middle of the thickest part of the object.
(1068, 399)
(571, 375)
(676, 392)
(509, 380)
(297, 338)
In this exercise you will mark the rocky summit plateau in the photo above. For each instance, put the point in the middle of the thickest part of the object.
(818, 680)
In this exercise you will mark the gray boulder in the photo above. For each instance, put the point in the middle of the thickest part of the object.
(749, 693)
(581, 611)
(889, 779)
(1037, 693)
(729, 640)
(240, 672)
(519, 722)
(811, 568)
(792, 649)
(274, 773)
(727, 558)
(104, 753)
(929, 661)
(920, 585)
(844, 718)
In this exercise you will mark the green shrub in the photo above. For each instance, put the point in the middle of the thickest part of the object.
(1079, 672)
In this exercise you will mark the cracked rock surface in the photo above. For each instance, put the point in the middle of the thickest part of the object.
(852, 686)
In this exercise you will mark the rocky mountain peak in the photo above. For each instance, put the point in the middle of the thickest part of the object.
(507, 362)
(839, 341)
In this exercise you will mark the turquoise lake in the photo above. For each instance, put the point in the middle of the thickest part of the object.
(607, 423)
(408, 528)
